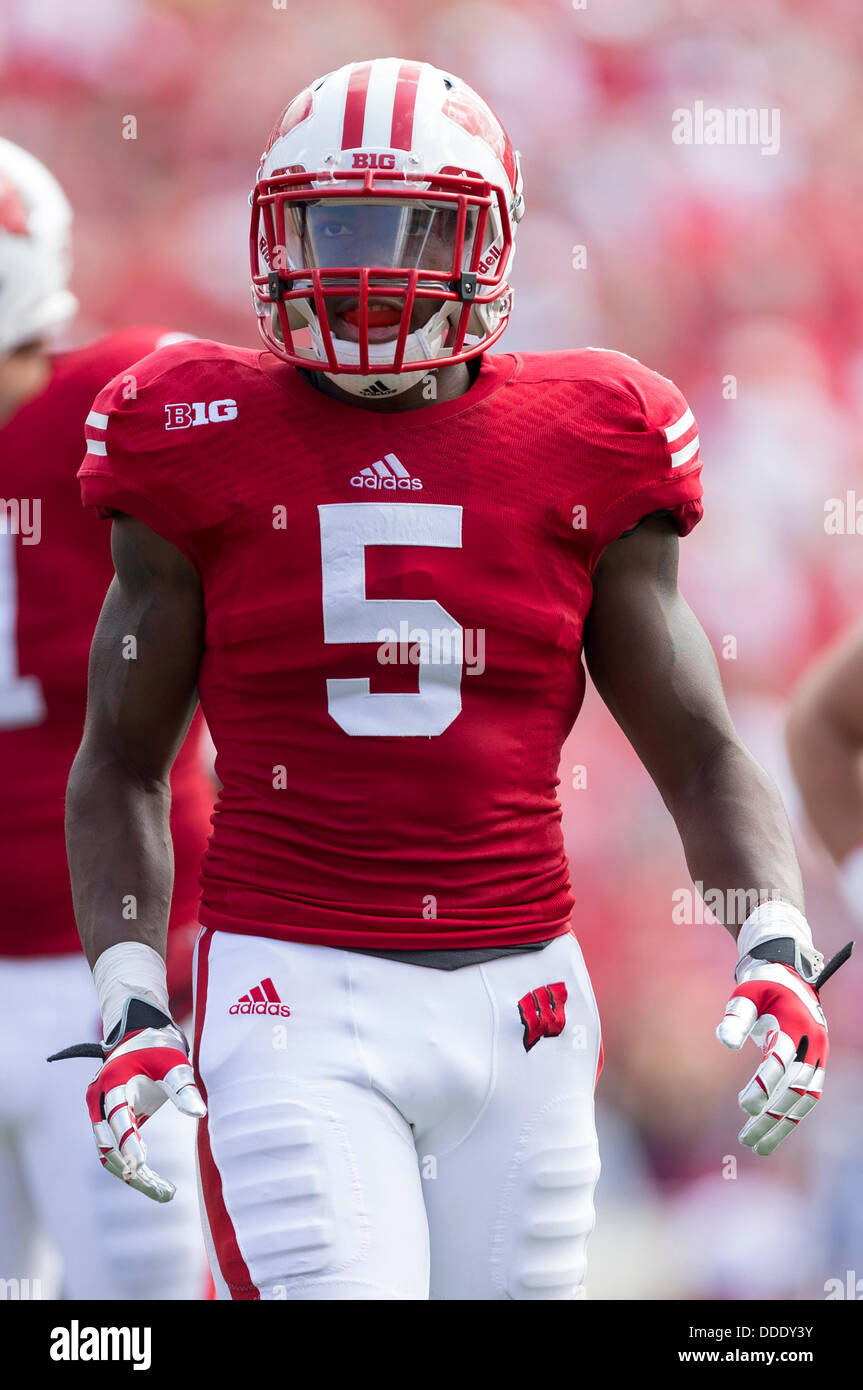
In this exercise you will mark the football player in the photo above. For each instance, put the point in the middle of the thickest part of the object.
(380, 551)
(55, 567)
(825, 743)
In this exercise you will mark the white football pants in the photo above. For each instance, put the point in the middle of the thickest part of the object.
(112, 1242)
(393, 1136)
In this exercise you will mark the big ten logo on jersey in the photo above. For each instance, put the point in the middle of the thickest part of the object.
(373, 159)
(181, 415)
(387, 474)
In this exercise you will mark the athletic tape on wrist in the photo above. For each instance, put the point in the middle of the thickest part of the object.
(130, 967)
(771, 919)
(777, 931)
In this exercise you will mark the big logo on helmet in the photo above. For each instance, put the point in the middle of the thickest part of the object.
(373, 160)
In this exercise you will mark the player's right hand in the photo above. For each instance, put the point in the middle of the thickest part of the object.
(145, 1062)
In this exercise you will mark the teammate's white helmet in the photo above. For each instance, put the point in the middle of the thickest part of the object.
(35, 261)
(383, 220)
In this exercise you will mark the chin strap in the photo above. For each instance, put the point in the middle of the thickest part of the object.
(423, 345)
(388, 384)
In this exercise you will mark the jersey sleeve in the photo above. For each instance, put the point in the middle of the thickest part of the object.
(136, 464)
(650, 436)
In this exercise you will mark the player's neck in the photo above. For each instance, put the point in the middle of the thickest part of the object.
(24, 374)
(446, 384)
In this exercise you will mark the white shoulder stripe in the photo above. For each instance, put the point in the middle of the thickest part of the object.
(97, 446)
(679, 456)
(99, 422)
(679, 427)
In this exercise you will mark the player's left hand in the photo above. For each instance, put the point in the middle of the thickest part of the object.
(780, 1011)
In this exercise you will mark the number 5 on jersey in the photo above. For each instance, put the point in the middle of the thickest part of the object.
(346, 529)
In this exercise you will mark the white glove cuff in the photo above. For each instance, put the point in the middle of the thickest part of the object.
(130, 967)
(769, 921)
(851, 882)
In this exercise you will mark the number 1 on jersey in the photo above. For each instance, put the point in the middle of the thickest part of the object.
(346, 529)
(21, 701)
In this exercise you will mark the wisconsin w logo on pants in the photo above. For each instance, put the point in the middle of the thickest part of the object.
(543, 1013)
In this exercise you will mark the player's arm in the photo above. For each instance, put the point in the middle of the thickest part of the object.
(142, 695)
(825, 744)
(653, 666)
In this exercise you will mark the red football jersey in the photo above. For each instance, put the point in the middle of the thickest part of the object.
(395, 605)
(55, 567)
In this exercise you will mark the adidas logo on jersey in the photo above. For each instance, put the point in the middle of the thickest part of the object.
(263, 999)
(387, 474)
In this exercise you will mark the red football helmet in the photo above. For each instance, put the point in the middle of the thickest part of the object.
(383, 221)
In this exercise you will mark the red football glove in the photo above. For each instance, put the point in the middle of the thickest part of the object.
(145, 1063)
(782, 1013)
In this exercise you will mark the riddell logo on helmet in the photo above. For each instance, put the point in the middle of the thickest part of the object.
(263, 999)
(492, 255)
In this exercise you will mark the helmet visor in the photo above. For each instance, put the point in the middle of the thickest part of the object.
(339, 232)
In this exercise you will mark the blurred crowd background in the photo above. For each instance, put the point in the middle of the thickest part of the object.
(740, 275)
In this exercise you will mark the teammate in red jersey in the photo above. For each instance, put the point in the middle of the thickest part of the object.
(55, 567)
(380, 552)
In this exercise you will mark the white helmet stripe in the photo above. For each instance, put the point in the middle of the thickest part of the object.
(379, 105)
